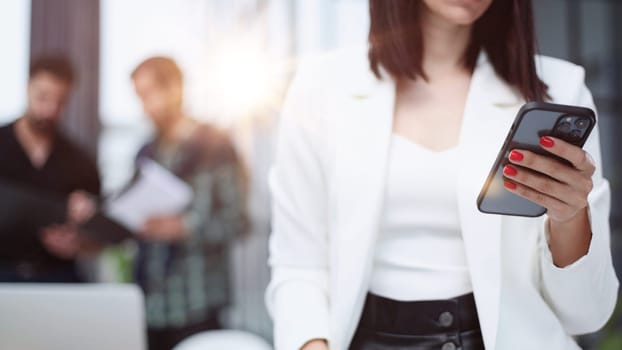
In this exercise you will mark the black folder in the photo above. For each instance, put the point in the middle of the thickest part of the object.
(21, 206)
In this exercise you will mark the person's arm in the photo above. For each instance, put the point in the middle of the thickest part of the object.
(45, 215)
(578, 280)
(218, 210)
(22, 210)
(577, 270)
(298, 294)
(74, 239)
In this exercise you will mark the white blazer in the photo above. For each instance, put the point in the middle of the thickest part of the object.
(328, 182)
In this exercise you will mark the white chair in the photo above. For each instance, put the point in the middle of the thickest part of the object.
(224, 340)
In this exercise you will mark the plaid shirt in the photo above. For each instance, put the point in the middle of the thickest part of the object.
(186, 282)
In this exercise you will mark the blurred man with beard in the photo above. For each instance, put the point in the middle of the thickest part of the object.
(183, 258)
(37, 160)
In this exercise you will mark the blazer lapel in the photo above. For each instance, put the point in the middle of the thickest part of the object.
(488, 115)
(364, 134)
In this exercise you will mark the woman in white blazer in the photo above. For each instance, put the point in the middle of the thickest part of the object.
(358, 249)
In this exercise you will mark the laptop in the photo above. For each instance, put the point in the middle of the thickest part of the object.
(71, 316)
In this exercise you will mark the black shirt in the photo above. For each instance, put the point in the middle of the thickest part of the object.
(67, 169)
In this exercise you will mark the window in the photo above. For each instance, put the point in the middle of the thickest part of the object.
(235, 56)
(14, 40)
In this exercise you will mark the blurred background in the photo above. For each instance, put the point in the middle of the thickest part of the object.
(238, 57)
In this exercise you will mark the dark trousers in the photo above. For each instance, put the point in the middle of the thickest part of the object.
(388, 324)
(167, 338)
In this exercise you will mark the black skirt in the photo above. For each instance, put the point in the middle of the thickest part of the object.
(388, 324)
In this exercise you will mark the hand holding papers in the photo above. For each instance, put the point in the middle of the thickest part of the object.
(156, 191)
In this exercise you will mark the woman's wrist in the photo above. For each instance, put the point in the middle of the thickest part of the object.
(569, 240)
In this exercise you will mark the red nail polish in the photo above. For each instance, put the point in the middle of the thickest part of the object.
(516, 156)
(509, 184)
(509, 170)
(546, 141)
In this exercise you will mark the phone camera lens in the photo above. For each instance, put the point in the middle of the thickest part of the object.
(575, 134)
(564, 127)
(580, 123)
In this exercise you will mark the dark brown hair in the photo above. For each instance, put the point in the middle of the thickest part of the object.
(165, 70)
(505, 32)
(59, 66)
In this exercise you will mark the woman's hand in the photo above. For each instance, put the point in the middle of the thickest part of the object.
(315, 344)
(564, 194)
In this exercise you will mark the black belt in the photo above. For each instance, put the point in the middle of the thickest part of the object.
(420, 317)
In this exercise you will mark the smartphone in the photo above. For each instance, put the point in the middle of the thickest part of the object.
(534, 120)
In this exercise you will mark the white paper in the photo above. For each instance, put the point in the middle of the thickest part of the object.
(156, 192)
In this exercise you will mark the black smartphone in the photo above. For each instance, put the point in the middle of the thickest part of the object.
(534, 120)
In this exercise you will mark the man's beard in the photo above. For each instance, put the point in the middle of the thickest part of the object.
(42, 127)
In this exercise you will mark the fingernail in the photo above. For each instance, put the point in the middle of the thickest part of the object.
(509, 184)
(546, 141)
(516, 156)
(509, 170)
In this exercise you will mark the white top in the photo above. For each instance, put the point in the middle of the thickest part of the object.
(420, 253)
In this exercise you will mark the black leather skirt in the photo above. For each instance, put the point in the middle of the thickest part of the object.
(388, 324)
